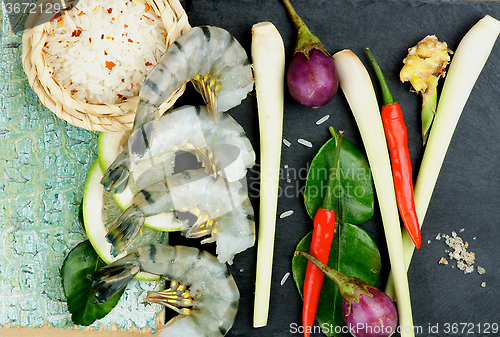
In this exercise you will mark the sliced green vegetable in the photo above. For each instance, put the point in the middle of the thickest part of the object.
(82, 261)
(356, 182)
(99, 211)
(353, 253)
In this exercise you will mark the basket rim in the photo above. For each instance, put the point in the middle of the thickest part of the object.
(92, 116)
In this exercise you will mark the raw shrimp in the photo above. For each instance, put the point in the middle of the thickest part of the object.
(223, 210)
(222, 148)
(212, 59)
(202, 290)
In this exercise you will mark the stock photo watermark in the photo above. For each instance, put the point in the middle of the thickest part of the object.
(39, 12)
(295, 186)
(434, 328)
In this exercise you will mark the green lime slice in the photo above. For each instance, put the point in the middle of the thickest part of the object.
(99, 211)
(108, 145)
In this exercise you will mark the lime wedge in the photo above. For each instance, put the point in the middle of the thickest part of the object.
(108, 145)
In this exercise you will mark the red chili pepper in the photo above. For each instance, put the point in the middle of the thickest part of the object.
(321, 243)
(397, 142)
(324, 229)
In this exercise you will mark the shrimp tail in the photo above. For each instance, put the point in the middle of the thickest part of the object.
(116, 177)
(145, 113)
(125, 229)
(208, 89)
(177, 298)
(111, 279)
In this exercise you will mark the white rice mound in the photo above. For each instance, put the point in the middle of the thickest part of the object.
(101, 51)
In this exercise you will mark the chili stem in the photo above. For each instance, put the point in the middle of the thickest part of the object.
(328, 202)
(387, 97)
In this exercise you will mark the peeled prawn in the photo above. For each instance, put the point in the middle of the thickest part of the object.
(202, 290)
(222, 148)
(212, 59)
(223, 209)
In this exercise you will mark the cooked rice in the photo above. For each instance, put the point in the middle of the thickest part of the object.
(102, 51)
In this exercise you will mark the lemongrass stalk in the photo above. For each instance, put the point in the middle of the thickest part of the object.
(358, 89)
(268, 56)
(470, 58)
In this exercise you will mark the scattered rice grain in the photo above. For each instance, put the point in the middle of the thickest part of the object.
(304, 142)
(285, 214)
(285, 277)
(322, 120)
(286, 142)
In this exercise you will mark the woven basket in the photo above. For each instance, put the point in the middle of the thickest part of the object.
(96, 117)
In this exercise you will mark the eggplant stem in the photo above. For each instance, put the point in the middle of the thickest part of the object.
(351, 288)
(305, 39)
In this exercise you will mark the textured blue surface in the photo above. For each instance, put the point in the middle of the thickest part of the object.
(43, 166)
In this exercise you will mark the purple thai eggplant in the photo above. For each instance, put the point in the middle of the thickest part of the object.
(312, 78)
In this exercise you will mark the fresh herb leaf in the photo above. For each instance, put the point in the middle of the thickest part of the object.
(356, 183)
(80, 263)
